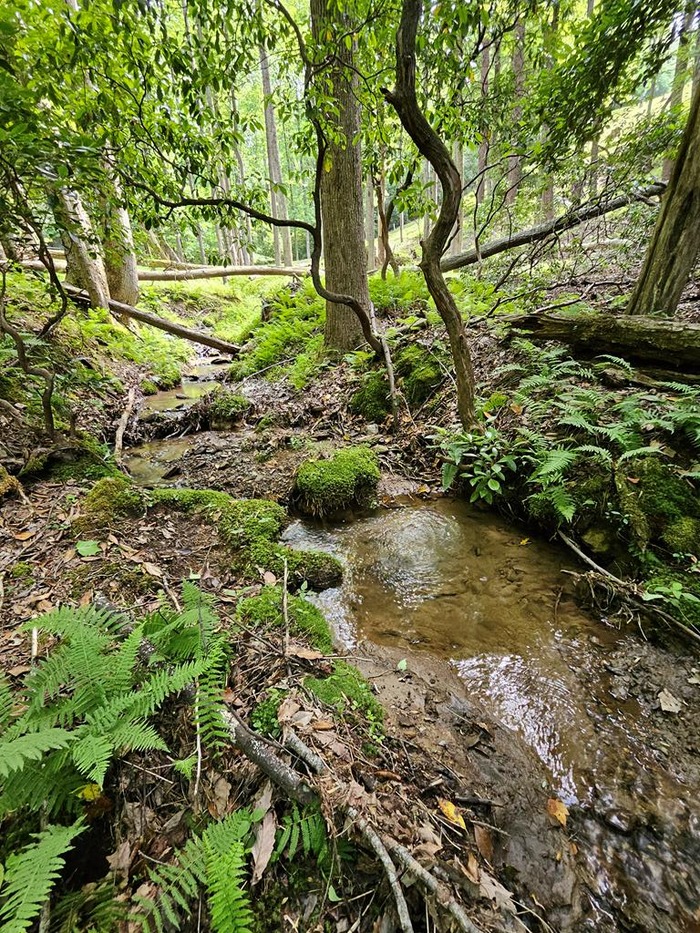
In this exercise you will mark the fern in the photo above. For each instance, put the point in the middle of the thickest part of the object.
(15, 754)
(599, 453)
(554, 464)
(229, 904)
(31, 874)
(307, 827)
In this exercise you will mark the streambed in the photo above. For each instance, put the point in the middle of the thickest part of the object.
(439, 578)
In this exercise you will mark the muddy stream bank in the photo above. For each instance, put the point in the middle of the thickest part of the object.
(492, 614)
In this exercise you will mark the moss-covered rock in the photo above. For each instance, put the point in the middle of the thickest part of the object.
(111, 498)
(148, 387)
(265, 611)
(226, 408)
(251, 528)
(348, 478)
(420, 372)
(372, 400)
(656, 500)
(682, 536)
(9, 485)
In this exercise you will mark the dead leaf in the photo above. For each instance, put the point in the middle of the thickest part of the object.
(269, 579)
(86, 598)
(493, 890)
(308, 654)
(152, 569)
(322, 725)
(217, 803)
(264, 799)
(484, 841)
(340, 750)
(23, 535)
(668, 703)
(263, 845)
(287, 708)
(426, 850)
(387, 776)
(558, 810)
(451, 812)
(120, 860)
(695, 679)
(19, 670)
(472, 870)
(516, 409)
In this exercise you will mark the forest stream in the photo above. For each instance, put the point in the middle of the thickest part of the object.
(478, 599)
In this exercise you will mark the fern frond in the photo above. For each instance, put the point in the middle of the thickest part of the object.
(30, 876)
(229, 903)
(6, 702)
(600, 453)
(30, 747)
(555, 463)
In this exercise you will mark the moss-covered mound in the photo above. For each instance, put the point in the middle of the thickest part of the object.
(347, 690)
(372, 400)
(226, 408)
(251, 528)
(661, 506)
(265, 611)
(348, 478)
(111, 498)
(8, 484)
(420, 373)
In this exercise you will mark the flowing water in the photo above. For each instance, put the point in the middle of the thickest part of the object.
(443, 578)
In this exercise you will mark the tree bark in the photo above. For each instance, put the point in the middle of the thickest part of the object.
(403, 99)
(456, 243)
(483, 152)
(515, 171)
(544, 230)
(675, 98)
(83, 253)
(120, 256)
(387, 257)
(278, 201)
(675, 242)
(637, 338)
(344, 254)
(369, 225)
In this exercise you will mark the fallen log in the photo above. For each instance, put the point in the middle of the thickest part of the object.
(181, 275)
(636, 338)
(146, 317)
(548, 228)
(216, 272)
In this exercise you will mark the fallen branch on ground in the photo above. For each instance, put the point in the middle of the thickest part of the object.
(146, 317)
(123, 422)
(185, 274)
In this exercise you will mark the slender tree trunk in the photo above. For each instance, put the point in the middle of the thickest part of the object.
(278, 201)
(483, 152)
(696, 63)
(247, 239)
(386, 255)
(675, 242)
(404, 100)
(595, 143)
(456, 242)
(427, 179)
(675, 99)
(652, 95)
(200, 244)
(85, 263)
(369, 225)
(120, 257)
(342, 196)
(515, 170)
(547, 197)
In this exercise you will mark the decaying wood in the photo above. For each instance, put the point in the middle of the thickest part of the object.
(123, 422)
(549, 228)
(634, 337)
(181, 272)
(146, 317)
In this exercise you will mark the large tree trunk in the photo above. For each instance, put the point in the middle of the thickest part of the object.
(120, 256)
(547, 229)
(344, 254)
(404, 100)
(515, 171)
(675, 242)
(675, 98)
(84, 259)
(637, 338)
(278, 201)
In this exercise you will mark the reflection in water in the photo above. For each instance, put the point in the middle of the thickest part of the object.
(443, 578)
(195, 385)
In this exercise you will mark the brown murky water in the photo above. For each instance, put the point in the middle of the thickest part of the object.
(197, 381)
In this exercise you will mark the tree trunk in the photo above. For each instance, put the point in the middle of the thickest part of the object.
(120, 256)
(429, 144)
(83, 253)
(550, 227)
(387, 257)
(675, 98)
(696, 63)
(278, 201)
(369, 226)
(635, 338)
(515, 170)
(675, 242)
(456, 242)
(483, 153)
(344, 254)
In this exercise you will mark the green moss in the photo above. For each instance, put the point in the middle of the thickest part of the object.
(372, 400)
(148, 387)
(85, 459)
(347, 689)
(421, 373)
(8, 484)
(264, 715)
(663, 495)
(21, 570)
(265, 611)
(226, 407)
(251, 527)
(110, 499)
(683, 535)
(349, 477)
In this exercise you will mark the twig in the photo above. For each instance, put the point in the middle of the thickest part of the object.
(123, 422)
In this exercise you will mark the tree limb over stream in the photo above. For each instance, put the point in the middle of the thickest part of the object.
(549, 228)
